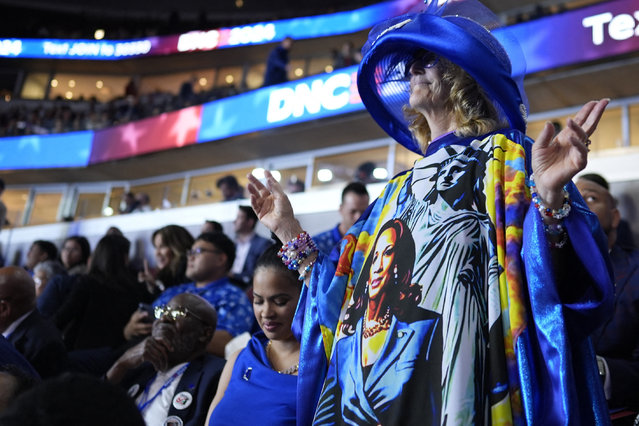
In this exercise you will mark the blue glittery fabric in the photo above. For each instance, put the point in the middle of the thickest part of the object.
(559, 377)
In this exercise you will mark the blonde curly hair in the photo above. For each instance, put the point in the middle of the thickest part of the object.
(474, 113)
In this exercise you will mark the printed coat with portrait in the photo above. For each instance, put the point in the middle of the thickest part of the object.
(496, 338)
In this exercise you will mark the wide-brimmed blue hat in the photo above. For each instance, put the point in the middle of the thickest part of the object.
(463, 31)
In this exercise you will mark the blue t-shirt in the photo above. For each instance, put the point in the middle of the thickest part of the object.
(328, 239)
(234, 310)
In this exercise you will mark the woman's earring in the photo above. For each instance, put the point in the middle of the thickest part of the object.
(395, 273)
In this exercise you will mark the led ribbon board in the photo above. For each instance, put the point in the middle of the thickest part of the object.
(294, 102)
(595, 32)
(586, 34)
(260, 33)
(46, 151)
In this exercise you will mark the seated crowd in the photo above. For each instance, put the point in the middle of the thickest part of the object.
(74, 318)
(60, 115)
(41, 117)
(159, 333)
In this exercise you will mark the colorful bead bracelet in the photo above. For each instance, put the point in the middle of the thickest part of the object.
(557, 214)
(297, 250)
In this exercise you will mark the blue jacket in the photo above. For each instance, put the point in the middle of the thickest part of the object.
(390, 376)
(617, 340)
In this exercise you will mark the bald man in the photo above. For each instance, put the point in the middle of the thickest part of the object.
(31, 334)
(617, 340)
(169, 374)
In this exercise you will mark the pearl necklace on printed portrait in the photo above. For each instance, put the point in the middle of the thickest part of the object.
(373, 337)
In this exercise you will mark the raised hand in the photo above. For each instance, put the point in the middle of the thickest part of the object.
(148, 278)
(556, 159)
(273, 207)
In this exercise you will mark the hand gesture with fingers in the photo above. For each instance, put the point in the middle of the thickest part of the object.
(148, 278)
(556, 159)
(273, 207)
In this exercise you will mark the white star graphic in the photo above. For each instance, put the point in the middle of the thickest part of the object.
(32, 141)
(129, 134)
(188, 119)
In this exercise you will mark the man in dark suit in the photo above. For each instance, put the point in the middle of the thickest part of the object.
(10, 357)
(20, 322)
(248, 245)
(169, 374)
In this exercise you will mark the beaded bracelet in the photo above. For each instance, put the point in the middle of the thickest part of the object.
(295, 251)
(555, 229)
(559, 213)
(306, 270)
(562, 242)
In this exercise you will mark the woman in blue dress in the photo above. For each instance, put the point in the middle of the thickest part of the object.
(259, 383)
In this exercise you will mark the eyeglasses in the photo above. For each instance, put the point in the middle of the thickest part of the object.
(422, 59)
(200, 250)
(175, 313)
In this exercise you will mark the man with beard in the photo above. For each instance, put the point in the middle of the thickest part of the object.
(169, 374)
(209, 262)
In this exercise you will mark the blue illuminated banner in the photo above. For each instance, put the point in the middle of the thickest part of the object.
(259, 33)
(605, 29)
(75, 49)
(294, 102)
(46, 151)
(598, 31)
(593, 32)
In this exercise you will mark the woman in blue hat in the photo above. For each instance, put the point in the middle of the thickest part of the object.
(510, 266)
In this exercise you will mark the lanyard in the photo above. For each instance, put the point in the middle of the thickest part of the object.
(144, 402)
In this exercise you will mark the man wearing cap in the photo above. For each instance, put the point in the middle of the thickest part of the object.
(169, 374)
(497, 253)
(615, 343)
